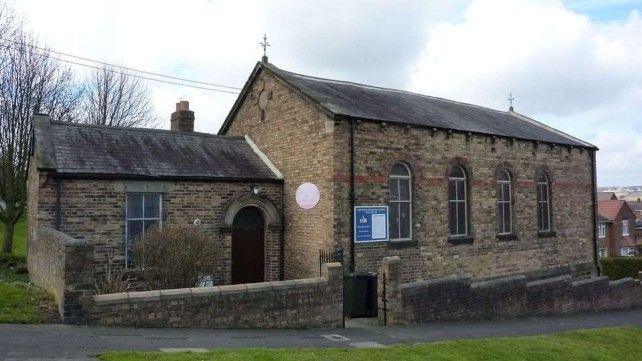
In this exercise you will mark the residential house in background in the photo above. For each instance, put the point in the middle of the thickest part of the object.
(606, 196)
(616, 228)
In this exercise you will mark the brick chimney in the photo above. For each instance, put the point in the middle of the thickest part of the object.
(182, 119)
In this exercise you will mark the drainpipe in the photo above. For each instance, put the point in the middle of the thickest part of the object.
(282, 250)
(352, 195)
(594, 203)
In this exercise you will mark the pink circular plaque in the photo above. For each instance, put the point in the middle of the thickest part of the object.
(307, 195)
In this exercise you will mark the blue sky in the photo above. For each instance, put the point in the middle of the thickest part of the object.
(575, 65)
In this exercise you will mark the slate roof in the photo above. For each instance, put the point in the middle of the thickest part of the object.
(359, 101)
(100, 151)
(610, 208)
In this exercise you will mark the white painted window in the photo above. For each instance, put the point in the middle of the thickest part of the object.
(627, 251)
(400, 206)
(601, 230)
(504, 203)
(143, 210)
(458, 202)
(601, 252)
(625, 227)
(543, 203)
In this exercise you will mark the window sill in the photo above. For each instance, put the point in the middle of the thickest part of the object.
(546, 234)
(459, 240)
(507, 237)
(402, 244)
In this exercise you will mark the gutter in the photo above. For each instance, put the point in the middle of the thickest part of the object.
(594, 204)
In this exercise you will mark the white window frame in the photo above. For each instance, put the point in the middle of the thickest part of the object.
(544, 186)
(455, 202)
(625, 228)
(627, 251)
(601, 230)
(159, 219)
(601, 253)
(506, 205)
(409, 201)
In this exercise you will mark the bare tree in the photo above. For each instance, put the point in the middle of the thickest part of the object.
(31, 81)
(114, 97)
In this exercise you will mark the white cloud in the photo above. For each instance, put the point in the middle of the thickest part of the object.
(565, 68)
(581, 76)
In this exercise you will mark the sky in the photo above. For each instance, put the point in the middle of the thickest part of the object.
(574, 65)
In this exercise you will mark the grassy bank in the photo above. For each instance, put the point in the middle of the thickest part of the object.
(22, 302)
(621, 344)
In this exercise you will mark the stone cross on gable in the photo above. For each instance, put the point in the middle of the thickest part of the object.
(264, 44)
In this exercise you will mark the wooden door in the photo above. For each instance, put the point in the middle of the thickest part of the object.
(248, 246)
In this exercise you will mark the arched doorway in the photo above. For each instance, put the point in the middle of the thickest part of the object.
(248, 246)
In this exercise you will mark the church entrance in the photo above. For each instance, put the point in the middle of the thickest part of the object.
(248, 246)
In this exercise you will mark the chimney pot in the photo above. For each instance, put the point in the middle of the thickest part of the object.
(182, 120)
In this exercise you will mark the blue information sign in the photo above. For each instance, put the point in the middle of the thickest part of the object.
(370, 224)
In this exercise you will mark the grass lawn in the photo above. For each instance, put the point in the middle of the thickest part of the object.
(19, 237)
(22, 302)
(621, 344)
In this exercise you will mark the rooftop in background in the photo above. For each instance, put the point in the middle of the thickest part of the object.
(366, 102)
(91, 151)
(609, 209)
(605, 196)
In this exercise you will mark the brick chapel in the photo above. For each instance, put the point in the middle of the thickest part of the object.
(468, 189)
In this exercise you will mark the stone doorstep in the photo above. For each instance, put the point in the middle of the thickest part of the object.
(176, 294)
(111, 299)
(145, 296)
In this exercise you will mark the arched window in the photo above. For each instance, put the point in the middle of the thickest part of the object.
(543, 202)
(458, 202)
(400, 204)
(504, 203)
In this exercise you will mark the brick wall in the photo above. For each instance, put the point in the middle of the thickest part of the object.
(459, 298)
(297, 138)
(430, 156)
(63, 266)
(95, 210)
(313, 302)
(308, 145)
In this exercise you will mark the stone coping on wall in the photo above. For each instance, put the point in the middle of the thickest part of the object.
(299, 303)
(458, 297)
(196, 292)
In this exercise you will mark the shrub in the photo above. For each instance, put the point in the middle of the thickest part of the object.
(174, 257)
(8, 260)
(115, 280)
(620, 267)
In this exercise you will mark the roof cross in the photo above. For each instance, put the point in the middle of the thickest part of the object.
(510, 101)
(264, 44)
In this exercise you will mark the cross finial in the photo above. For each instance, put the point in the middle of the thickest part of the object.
(510, 101)
(265, 45)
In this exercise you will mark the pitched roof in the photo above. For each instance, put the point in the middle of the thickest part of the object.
(605, 196)
(609, 209)
(92, 151)
(359, 101)
(635, 205)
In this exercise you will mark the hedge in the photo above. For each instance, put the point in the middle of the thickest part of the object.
(9, 260)
(620, 267)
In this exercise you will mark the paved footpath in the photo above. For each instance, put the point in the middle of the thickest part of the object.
(22, 342)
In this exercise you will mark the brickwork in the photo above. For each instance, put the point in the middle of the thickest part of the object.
(313, 302)
(459, 298)
(308, 145)
(297, 137)
(95, 210)
(430, 155)
(62, 266)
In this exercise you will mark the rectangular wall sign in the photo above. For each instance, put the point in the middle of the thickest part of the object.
(370, 224)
